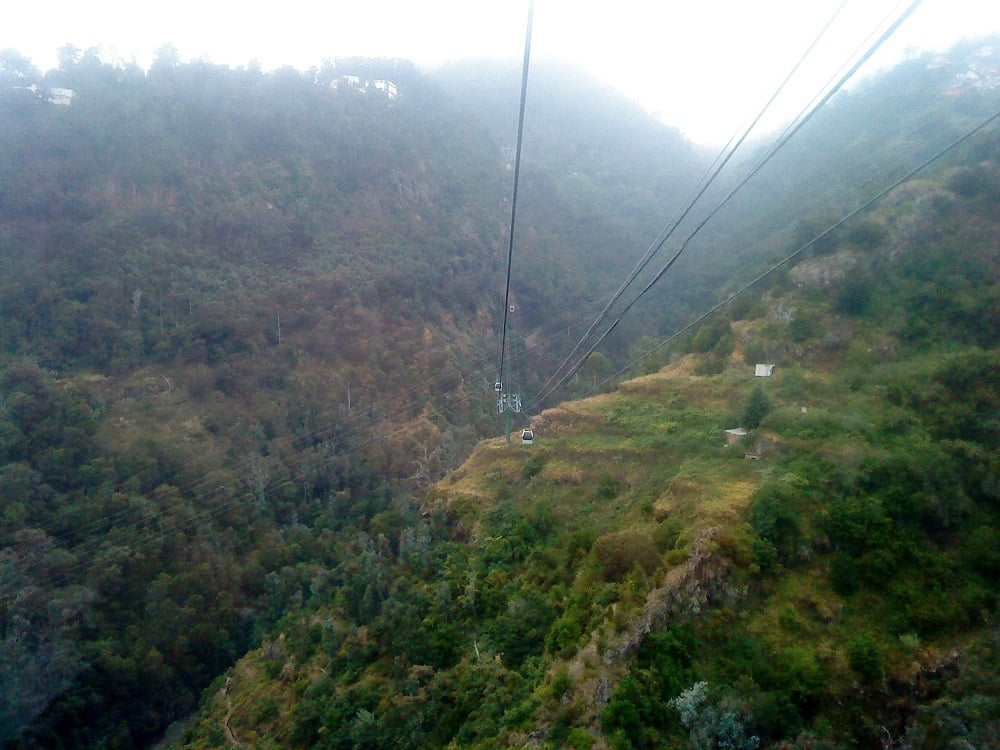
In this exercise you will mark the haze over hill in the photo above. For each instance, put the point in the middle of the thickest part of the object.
(704, 68)
(250, 318)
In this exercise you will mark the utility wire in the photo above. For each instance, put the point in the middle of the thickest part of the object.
(209, 482)
(779, 143)
(195, 488)
(513, 200)
(230, 495)
(235, 500)
(798, 251)
(199, 487)
(696, 193)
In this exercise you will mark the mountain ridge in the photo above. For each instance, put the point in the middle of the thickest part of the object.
(248, 402)
(629, 580)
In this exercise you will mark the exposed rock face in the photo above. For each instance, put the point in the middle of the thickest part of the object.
(701, 582)
(826, 271)
(781, 313)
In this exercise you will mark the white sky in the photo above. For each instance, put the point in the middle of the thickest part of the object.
(705, 66)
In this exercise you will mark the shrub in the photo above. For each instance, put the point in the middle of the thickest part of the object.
(983, 551)
(753, 352)
(868, 235)
(579, 739)
(854, 296)
(666, 533)
(712, 724)
(533, 466)
(735, 546)
(710, 333)
(756, 409)
(864, 657)
(974, 181)
(266, 710)
(622, 718)
(844, 575)
(607, 488)
(777, 521)
(564, 636)
(709, 366)
(580, 543)
(857, 524)
(616, 554)
(802, 329)
(561, 683)
(740, 307)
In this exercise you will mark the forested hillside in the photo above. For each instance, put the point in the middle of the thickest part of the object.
(249, 319)
(865, 138)
(243, 313)
(634, 579)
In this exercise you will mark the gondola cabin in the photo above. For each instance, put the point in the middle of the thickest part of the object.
(527, 437)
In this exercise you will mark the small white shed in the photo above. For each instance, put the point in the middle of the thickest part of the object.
(733, 436)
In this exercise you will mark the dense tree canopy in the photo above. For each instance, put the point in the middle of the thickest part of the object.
(249, 318)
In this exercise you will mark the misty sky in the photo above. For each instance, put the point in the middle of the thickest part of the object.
(705, 66)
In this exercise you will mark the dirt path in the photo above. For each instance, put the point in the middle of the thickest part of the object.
(229, 712)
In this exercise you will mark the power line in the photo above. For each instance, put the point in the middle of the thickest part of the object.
(513, 200)
(197, 488)
(207, 483)
(798, 251)
(696, 193)
(807, 114)
(509, 402)
(215, 510)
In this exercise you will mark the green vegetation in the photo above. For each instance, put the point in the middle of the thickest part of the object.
(756, 409)
(241, 316)
(859, 551)
(629, 580)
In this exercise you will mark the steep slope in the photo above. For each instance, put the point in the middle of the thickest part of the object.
(242, 313)
(864, 139)
(630, 580)
(248, 320)
(613, 174)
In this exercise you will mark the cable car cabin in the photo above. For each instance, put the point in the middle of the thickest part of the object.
(498, 386)
(527, 437)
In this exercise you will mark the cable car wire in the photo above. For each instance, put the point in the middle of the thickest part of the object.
(236, 499)
(92, 548)
(696, 193)
(776, 146)
(513, 200)
(798, 251)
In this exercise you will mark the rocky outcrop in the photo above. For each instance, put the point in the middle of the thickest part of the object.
(688, 589)
(825, 271)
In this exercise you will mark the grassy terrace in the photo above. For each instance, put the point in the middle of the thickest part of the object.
(574, 588)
